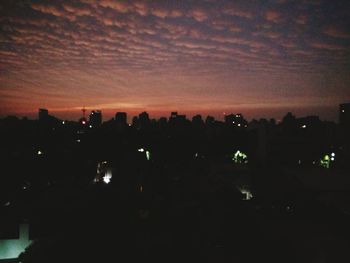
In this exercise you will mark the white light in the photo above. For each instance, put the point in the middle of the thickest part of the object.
(40, 152)
(63, 122)
(83, 122)
(78, 140)
(90, 126)
(141, 150)
(239, 125)
(333, 154)
(342, 111)
(233, 122)
(332, 159)
(107, 178)
(304, 126)
(247, 194)
(148, 155)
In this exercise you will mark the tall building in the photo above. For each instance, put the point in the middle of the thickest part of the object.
(95, 118)
(143, 120)
(344, 114)
(43, 114)
(197, 120)
(121, 118)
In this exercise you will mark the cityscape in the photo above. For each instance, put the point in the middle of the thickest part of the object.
(175, 131)
(197, 188)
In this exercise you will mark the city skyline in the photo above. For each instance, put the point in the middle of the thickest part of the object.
(261, 59)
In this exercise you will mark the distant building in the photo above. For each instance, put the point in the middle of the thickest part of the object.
(43, 114)
(121, 118)
(197, 120)
(209, 120)
(143, 120)
(309, 122)
(173, 115)
(236, 120)
(344, 114)
(95, 118)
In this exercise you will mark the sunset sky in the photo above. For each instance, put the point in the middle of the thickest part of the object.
(258, 57)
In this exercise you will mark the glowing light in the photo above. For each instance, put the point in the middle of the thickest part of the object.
(83, 122)
(78, 140)
(148, 155)
(304, 126)
(246, 192)
(12, 248)
(332, 159)
(90, 126)
(342, 111)
(141, 150)
(141, 188)
(63, 122)
(240, 157)
(333, 154)
(107, 178)
(239, 125)
(325, 161)
(39, 152)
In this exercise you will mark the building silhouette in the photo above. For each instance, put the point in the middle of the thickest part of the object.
(43, 114)
(344, 114)
(121, 118)
(95, 118)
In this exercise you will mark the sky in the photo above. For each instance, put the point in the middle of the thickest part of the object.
(261, 58)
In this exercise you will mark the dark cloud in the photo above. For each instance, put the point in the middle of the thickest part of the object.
(182, 38)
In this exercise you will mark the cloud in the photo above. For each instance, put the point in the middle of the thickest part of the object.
(327, 46)
(336, 32)
(199, 14)
(68, 44)
(273, 16)
(239, 13)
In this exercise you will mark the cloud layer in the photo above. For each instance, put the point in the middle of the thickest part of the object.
(159, 55)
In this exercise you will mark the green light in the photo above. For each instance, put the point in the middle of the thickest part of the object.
(240, 157)
(325, 161)
(148, 155)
